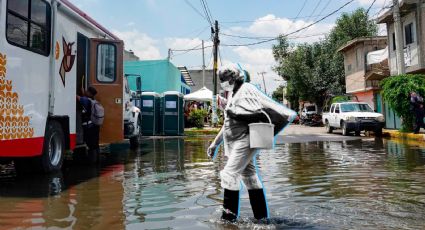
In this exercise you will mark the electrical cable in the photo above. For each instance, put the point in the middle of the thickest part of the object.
(296, 31)
(197, 11)
(208, 10)
(206, 13)
(367, 11)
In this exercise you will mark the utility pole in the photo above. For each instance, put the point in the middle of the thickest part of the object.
(264, 82)
(398, 38)
(215, 93)
(203, 64)
(169, 54)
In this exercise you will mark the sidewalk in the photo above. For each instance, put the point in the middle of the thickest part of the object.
(401, 135)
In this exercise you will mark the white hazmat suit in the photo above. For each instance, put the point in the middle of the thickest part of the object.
(243, 108)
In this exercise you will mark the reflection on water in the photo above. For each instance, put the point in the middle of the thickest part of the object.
(169, 183)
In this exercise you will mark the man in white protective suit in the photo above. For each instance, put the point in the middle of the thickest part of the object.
(245, 104)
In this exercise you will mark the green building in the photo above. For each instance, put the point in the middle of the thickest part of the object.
(159, 76)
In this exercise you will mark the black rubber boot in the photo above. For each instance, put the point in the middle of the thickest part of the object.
(230, 205)
(258, 203)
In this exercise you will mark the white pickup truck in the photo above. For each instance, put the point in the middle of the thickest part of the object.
(353, 117)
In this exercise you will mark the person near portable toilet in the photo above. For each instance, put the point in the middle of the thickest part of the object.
(245, 105)
(91, 128)
(417, 106)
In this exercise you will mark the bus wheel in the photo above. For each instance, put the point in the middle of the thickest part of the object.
(53, 148)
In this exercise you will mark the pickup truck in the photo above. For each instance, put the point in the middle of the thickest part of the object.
(353, 116)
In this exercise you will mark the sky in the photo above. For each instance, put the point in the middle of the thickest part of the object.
(151, 27)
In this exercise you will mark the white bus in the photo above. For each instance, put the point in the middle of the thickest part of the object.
(49, 51)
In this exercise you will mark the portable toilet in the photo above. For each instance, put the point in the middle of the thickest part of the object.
(172, 113)
(150, 110)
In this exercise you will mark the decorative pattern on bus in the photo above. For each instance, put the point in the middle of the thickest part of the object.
(13, 123)
(67, 60)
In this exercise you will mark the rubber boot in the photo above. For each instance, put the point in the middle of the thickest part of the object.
(258, 203)
(230, 205)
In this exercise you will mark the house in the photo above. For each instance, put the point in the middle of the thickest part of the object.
(159, 76)
(412, 16)
(365, 63)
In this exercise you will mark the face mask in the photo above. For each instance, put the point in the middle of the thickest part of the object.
(226, 86)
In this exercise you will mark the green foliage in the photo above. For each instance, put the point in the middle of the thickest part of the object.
(340, 99)
(278, 94)
(197, 117)
(396, 90)
(313, 71)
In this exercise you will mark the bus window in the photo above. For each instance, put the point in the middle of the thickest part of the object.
(29, 31)
(106, 63)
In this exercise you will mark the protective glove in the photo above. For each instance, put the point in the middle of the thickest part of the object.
(211, 150)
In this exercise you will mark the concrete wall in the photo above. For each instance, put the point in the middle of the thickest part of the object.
(412, 56)
(366, 97)
(356, 58)
(157, 75)
(196, 76)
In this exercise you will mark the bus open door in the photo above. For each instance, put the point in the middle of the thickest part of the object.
(106, 75)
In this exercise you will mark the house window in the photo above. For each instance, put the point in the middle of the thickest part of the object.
(394, 45)
(358, 58)
(28, 25)
(106, 63)
(408, 33)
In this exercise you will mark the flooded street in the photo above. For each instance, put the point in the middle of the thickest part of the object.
(170, 184)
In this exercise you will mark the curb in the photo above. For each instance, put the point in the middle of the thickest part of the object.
(401, 135)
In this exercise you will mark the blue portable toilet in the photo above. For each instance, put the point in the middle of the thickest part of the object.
(172, 113)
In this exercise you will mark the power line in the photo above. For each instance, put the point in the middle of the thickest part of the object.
(367, 11)
(266, 20)
(267, 38)
(302, 8)
(208, 9)
(314, 10)
(206, 12)
(197, 11)
(191, 49)
(296, 31)
(323, 9)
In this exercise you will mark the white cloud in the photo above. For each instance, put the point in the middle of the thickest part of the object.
(260, 56)
(142, 45)
(272, 26)
(185, 43)
(257, 60)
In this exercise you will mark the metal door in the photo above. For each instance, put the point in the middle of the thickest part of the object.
(106, 75)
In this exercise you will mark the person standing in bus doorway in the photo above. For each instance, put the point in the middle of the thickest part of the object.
(245, 104)
(90, 130)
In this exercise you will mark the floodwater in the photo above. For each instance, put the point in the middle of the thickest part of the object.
(170, 184)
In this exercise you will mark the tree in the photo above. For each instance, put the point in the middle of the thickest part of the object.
(396, 90)
(314, 71)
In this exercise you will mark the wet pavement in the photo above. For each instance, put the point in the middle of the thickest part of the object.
(364, 183)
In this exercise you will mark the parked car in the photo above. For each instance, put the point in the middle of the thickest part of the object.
(353, 117)
(307, 113)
